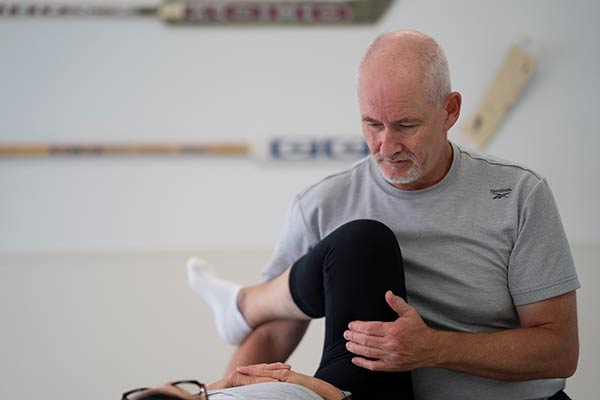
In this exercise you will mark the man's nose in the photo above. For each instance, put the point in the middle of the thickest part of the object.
(390, 143)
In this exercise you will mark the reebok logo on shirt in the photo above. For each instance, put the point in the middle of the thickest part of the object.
(500, 193)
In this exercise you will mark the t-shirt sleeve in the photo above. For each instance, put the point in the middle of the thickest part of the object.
(540, 265)
(294, 241)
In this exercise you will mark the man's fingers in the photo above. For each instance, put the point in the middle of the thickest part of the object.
(366, 340)
(365, 351)
(374, 328)
(397, 303)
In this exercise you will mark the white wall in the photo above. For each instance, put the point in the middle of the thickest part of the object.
(140, 80)
(69, 227)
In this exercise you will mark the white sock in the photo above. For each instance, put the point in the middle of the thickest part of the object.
(221, 296)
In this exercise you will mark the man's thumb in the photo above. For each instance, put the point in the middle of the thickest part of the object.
(397, 303)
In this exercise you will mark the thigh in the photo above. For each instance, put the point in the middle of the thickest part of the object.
(344, 278)
(348, 272)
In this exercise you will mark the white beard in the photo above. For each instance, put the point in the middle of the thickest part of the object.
(409, 176)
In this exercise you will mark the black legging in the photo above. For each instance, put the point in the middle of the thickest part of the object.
(344, 278)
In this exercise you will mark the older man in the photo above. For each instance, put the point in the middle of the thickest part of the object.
(490, 278)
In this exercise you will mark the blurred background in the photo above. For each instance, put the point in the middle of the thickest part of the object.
(93, 299)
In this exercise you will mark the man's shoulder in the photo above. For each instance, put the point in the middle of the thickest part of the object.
(336, 184)
(484, 163)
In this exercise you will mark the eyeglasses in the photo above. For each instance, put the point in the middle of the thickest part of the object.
(193, 387)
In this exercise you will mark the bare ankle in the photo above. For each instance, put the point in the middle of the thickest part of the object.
(242, 304)
(241, 300)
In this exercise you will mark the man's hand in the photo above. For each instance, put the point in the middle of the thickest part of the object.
(545, 346)
(401, 345)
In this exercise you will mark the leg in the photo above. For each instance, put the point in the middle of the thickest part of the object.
(238, 310)
(221, 296)
(269, 301)
(344, 278)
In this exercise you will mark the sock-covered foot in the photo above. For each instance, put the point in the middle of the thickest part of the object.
(221, 296)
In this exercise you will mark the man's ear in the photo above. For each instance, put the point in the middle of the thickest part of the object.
(452, 104)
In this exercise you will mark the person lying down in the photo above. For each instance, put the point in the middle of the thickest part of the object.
(272, 382)
(355, 273)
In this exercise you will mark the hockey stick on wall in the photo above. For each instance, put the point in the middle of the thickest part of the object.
(502, 94)
(219, 12)
(275, 149)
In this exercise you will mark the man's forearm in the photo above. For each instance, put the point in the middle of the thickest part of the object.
(546, 345)
(268, 343)
(513, 355)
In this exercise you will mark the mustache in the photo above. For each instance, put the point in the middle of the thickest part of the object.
(399, 156)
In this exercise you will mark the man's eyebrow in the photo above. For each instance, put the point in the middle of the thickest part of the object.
(401, 121)
(407, 120)
(368, 119)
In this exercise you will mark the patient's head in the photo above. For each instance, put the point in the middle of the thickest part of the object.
(179, 390)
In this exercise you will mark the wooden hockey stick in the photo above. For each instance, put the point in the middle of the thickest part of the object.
(17, 150)
(502, 94)
(277, 149)
(219, 12)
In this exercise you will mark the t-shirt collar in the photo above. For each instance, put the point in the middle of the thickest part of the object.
(438, 187)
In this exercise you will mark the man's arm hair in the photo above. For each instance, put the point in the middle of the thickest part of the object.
(546, 345)
(271, 342)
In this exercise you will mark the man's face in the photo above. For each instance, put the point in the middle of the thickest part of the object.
(406, 134)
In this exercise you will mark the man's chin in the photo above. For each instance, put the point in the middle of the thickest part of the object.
(396, 178)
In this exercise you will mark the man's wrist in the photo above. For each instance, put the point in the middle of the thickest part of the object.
(441, 341)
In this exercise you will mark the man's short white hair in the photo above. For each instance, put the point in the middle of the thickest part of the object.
(427, 53)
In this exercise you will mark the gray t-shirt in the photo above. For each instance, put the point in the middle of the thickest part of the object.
(266, 391)
(484, 239)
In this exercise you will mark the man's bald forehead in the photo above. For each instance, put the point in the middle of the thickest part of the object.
(412, 52)
(400, 44)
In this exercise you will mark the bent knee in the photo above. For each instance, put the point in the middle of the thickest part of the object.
(367, 231)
